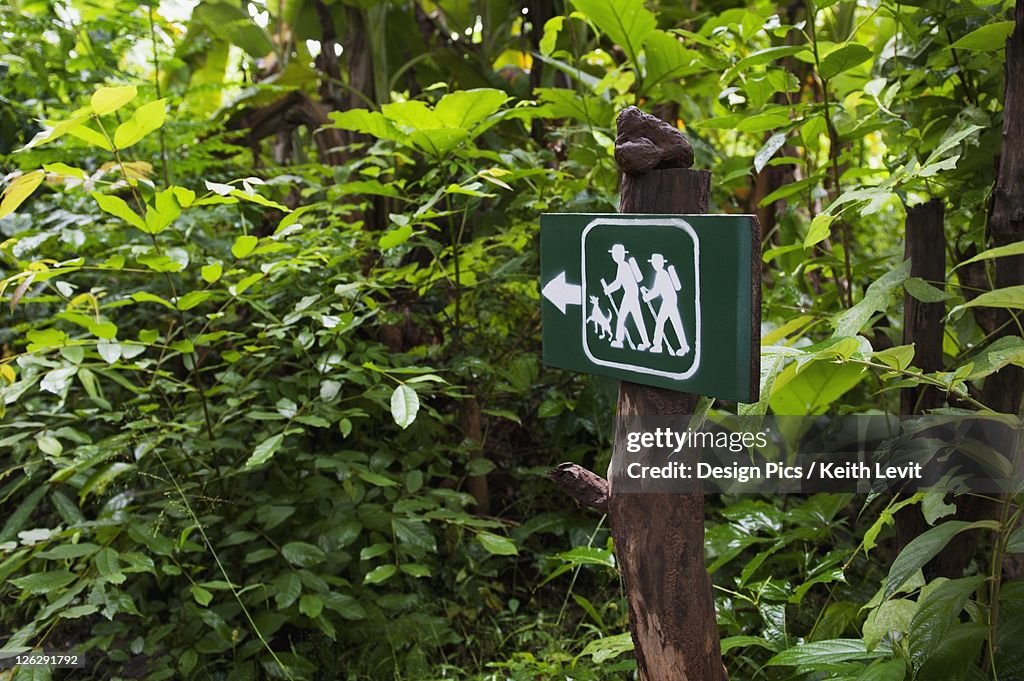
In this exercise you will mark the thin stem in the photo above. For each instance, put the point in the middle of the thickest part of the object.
(156, 84)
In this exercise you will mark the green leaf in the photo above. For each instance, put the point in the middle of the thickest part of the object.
(244, 245)
(609, 647)
(145, 120)
(1015, 543)
(346, 606)
(109, 566)
(937, 615)
(923, 548)
(997, 252)
(367, 122)
(876, 299)
(1010, 297)
(825, 654)
(230, 22)
(68, 551)
(59, 128)
(44, 582)
(925, 292)
(48, 444)
(89, 136)
(286, 589)
(405, 403)
(626, 22)
(395, 237)
(819, 230)
(884, 670)
(989, 38)
(193, 299)
(894, 615)
(379, 574)
(303, 554)
(109, 99)
(765, 154)
(64, 169)
(311, 605)
(812, 390)
(843, 59)
(162, 212)
(588, 555)
(496, 544)
(117, 207)
(19, 517)
(202, 596)
(104, 330)
(265, 450)
(552, 27)
(413, 535)
(211, 273)
(243, 285)
(464, 109)
(147, 297)
(19, 190)
(765, 56)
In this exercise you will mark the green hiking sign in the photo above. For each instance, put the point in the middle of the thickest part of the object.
(665, 300)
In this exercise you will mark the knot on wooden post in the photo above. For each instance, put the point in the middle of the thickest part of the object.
(645, 142)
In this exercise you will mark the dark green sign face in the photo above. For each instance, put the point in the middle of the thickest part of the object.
(665, 300)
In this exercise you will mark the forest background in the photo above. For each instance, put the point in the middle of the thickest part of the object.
(270, 388)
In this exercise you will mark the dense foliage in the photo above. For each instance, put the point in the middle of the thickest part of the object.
(270, 388)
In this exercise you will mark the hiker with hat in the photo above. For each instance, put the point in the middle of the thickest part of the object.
(666, 286)
(627, 277)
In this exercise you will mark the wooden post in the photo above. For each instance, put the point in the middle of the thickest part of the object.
(659, 538)
(922, 322)
(925, 245)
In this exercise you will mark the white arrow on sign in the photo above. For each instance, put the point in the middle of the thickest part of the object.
(562, 293)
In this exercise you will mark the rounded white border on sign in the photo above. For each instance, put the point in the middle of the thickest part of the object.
(678, 223)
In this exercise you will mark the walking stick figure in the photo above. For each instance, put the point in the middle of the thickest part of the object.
(666, 286)
(627, 277)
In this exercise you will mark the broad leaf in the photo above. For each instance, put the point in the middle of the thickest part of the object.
(405, 403)
(819, 230)
(303, 554)
(496, 544)
(1010, 297)
(117, 207)
(19, 190)
(825, 654)
(464, 109)
(109, 99)
(626, 22)
(843, 59)
(265, 450)
(145, 120)
(988, 38)
(923, 548)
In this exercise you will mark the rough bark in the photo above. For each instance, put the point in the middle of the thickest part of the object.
(1004, 390)
(659, 538)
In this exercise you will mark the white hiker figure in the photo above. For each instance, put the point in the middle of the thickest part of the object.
(602, 321)
(666, 286)
(627, 277)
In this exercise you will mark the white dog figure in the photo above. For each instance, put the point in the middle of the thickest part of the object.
(602, 322)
